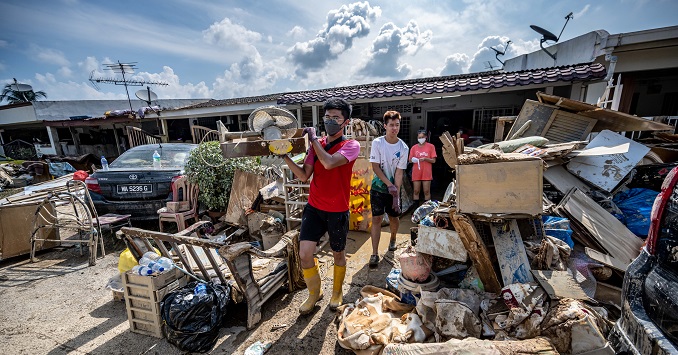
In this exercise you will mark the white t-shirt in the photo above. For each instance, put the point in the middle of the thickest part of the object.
(390, 157)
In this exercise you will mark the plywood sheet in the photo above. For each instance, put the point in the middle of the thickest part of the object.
(563, 180)
(587, 217)
(500, 188)
(607, 170)
(16, 227)
(559, 284)
(607, 260)
(513, 263)
(477, 251)
(244, 191)
(444, 243)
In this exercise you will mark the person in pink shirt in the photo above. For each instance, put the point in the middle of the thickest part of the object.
(422, 155)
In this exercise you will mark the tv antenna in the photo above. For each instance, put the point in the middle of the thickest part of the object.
(548, 36)
(489, 65)
(123, 69)
(497, 52)
(20, 88)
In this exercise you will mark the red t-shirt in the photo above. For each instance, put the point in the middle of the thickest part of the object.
(330, 189)
(422, 171)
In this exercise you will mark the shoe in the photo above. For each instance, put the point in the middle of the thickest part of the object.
(374, 261)
(315, 293)
(392, 245)
(337, 291)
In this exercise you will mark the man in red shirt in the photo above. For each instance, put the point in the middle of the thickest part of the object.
(330, 160)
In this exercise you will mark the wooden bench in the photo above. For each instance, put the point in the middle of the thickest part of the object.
(237, 256)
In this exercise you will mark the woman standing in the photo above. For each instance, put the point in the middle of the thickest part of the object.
(422, 155)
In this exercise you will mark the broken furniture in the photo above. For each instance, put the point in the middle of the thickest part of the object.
(16, 226)
(272, 131)
(183, 207)
(71, 209)
(113, 222)
(296, 197)
(237, 257)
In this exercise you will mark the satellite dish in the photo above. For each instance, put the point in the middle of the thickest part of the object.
(20, 87)
(548, 36)
(146, 95)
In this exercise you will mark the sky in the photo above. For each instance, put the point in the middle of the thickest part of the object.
(225, 49)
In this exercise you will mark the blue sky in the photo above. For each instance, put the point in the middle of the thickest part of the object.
(224, 49)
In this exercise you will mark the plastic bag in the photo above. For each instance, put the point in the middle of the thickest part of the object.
(415, 266)
(192, 319)
(558, 227)
(424, 210)
(636, 206)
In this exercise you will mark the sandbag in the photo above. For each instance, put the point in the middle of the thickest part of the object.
(192, 319)
(513, 144)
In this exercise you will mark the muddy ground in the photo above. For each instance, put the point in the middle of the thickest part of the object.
(60, 305)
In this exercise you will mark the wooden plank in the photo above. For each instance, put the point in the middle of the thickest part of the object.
(563, 180)
(607, 119)
(607, 170)
(513, 263)
(536, 112)
(606, 260)
(258, 147)
(566, 127)
(477, 251)
(506, 187)
(449, 150)
(605, 229)
(560, 284)
(244, 191)
(440, 242)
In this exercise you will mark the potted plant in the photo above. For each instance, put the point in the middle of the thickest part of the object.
(207, 167)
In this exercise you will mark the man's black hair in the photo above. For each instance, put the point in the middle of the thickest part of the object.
(340, 104)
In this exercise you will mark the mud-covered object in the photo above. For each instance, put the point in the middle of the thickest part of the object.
(192, 321)
(575, 328)
(415, 266)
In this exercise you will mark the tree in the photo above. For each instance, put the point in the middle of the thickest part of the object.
(14, 97)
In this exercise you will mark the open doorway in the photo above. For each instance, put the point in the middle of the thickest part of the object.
(438, 122)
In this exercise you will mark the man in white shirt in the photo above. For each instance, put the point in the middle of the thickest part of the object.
(388, 156)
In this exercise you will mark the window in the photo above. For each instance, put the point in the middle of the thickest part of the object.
(482, 120)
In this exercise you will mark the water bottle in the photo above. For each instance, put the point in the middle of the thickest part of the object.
(156, 160)
(151, 255)
(200, 289)
(166, 263)
(142, 270)
(151, 264)
(104, 163)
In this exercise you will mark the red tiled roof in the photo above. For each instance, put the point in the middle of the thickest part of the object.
(448, 84)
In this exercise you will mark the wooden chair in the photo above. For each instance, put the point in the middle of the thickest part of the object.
(138, 136)
(186, 192)
(237, 257)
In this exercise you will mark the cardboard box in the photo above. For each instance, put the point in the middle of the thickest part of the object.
(500, 188)
(180, 206)
(16, 227)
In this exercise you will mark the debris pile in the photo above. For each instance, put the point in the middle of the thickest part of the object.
(529, 230)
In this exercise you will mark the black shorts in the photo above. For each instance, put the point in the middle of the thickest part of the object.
(382, 202)
(315, 222)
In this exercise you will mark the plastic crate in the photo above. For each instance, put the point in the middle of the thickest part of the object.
(142, 299)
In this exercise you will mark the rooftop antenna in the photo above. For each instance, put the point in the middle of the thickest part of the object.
(20, 88)
(123, 69)
(548, 36)
(497, 52)
(489, 65)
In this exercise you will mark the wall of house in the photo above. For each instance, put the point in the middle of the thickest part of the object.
(581, 49)
(17, 115)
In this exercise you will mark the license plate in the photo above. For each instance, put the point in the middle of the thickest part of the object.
(135, 189)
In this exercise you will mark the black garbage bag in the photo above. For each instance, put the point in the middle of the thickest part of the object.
(192, 321)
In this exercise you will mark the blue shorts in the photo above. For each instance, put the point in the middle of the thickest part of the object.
(315, 223)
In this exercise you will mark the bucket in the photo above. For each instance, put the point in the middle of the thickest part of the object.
(409, 289)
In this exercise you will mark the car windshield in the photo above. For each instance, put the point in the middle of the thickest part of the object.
(170, 157)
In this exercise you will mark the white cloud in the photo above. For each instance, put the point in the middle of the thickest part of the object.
(581, 12)
(232, 36)
(65, 71)
(48, 55)
(341, 28)
(176, 89)
(251, 76)
(455, 64)
(296, 32)
(484, 54)
(390, 45)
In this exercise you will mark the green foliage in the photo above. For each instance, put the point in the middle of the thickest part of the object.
(207, 167)
(15, 97)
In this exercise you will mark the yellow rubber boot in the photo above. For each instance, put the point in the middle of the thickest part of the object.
(337, 292)
(315, 293)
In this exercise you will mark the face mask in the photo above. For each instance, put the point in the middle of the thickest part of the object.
(332, 127)
(421, 140)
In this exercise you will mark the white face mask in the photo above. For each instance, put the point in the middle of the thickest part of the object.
(421, 140)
